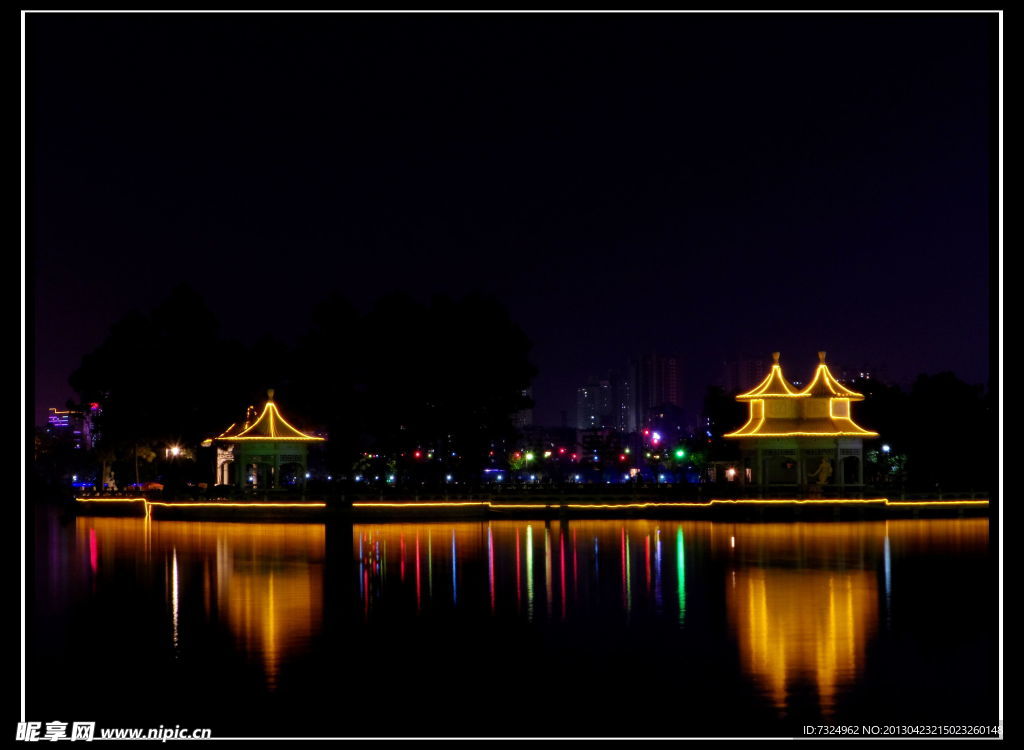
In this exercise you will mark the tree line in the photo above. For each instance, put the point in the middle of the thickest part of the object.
(445, 375)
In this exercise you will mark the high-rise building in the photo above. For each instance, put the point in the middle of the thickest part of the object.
(524, 417)
(593, 402)
(73, 424)
(603, 403)
(656, 386)
(744, 372)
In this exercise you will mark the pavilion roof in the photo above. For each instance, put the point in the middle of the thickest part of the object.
(759, 425)
(824, 384)
(236, 427)
(773, 386)
(269, 425)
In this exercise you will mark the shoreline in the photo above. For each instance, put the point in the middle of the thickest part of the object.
(753, 509)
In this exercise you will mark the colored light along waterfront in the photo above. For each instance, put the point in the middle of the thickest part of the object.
(529, 572)
(793, 628)
(681, 572)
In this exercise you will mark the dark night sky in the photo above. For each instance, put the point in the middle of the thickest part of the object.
(711, 185)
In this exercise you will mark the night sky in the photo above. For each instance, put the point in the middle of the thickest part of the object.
(713, 185)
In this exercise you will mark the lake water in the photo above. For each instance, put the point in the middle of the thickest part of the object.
(581, 628)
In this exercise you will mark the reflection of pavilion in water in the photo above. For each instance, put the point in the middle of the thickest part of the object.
(272, 591)
(803, 626)
(804, 598)
(803, 601)
(264, 581)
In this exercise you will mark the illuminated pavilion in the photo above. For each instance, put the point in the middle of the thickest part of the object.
(257, 451)
(788, 432)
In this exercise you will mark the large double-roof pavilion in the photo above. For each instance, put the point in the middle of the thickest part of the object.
(788, 428)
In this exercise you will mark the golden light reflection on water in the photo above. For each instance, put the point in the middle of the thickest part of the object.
(795, 626)
(265, 581)
(803, 601)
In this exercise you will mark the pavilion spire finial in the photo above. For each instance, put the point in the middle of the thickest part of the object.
(775, 358)
(821, 357)
(270, 394)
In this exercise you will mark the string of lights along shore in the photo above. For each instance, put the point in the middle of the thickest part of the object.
(787, 430)
(798, 438)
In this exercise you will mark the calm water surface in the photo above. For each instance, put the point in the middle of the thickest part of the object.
(512, 627)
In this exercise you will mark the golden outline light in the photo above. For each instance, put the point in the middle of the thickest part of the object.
(832, 408)
(830, 386)
(773, 386)
(833, 386)
(841, 433)
(163, 504)
(110, 499)
(272, 415)
(236, 505)
(742, 430)
(881, 501)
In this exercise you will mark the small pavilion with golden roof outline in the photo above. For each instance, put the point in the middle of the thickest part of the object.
(259, 449)
(793, 435)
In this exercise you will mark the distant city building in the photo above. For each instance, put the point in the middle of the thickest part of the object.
(656, 387)
(864, 371)
(792, 436)
(77, 425)
(743, 373)
(593, 404)
(603, 403)
(524, 417)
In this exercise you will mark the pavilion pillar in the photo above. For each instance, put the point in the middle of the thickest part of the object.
(277, 471)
